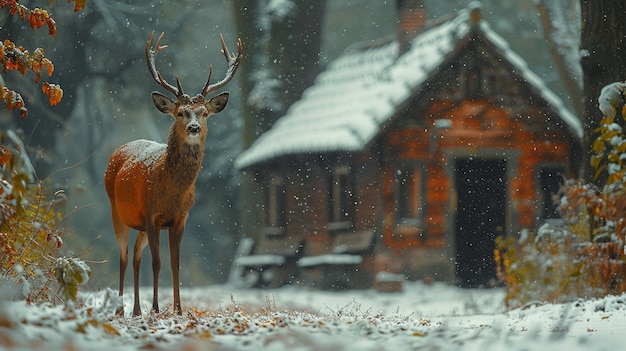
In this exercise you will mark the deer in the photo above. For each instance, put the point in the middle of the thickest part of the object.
(150, 185)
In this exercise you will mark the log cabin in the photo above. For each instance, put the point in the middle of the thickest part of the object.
(407, 158)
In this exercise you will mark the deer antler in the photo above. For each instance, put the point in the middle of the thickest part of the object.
(150, 59)
(233, 63)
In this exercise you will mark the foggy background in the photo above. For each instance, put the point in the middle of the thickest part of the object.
(99, 61)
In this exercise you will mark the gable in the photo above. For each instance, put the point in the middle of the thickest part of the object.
(490, 70)
(477, 71)
(360, 91)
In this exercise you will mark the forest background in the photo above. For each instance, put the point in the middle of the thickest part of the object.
(99, 60)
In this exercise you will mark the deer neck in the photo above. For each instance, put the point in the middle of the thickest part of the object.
(184, 159)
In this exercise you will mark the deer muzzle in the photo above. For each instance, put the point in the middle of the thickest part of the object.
(193, 128)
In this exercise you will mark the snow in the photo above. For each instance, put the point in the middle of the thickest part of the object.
(330, 259)
(566, 25)
(146, 152)
(431, 317)
(260, 260)
(389, 277)
(73, 269)
(5, 191)
(611, 97)
(22, 164)
(280, 9)
(360, 91)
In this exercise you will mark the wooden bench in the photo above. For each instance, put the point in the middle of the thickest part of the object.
(341, 268)
(389, 282)
(269, 262)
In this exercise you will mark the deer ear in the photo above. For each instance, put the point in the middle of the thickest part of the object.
(163, 103)
(217, 103)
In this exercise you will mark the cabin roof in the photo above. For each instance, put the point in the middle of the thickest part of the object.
(359, 91)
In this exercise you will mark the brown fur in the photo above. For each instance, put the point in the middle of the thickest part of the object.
(151, 187)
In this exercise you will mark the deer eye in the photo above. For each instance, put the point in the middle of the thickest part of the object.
(180, 114)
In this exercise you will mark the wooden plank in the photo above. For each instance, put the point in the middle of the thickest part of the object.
(330, 260)
(353, 242)
(287, 246)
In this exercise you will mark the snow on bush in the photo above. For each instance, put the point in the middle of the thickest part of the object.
(30, 232)
(585, 255)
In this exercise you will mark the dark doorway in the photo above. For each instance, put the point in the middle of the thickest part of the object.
(550, 181)
(480, 218)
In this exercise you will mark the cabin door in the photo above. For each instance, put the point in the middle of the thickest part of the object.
(480, 218)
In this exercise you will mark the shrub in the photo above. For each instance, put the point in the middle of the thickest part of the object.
(30, 232)
(585, 255)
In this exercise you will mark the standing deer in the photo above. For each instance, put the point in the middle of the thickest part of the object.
(151, 185)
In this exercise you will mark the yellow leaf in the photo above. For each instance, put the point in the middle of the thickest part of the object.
(109, 329)
(598, 146)
(595, 161)
(598, 172)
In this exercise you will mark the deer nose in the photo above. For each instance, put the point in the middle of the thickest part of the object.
(193, 128)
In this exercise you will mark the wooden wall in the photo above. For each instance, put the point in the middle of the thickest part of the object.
(478, 129)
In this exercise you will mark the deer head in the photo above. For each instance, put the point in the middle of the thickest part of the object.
(191, 113)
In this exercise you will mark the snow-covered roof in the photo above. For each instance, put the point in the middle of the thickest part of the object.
(359, 91)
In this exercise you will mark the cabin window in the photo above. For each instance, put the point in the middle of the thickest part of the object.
(341, 199)
(474, 83)
(409, 180)
(479, 82)
(276, 196)
(550, 180)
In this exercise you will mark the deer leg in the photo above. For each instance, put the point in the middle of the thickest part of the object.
(154, 243)
(175, 238)
(121, 234)
(140, 244)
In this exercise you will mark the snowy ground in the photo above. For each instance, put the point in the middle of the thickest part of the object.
(423, 317)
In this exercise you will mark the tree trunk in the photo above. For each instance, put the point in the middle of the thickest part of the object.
(281, 59)
(294, 48)
(559, 53)
(246, 22)
(603, 43)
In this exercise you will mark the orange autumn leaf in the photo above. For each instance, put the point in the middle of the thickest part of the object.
(79, 4)
(15, 8)
(37, 18)
(13, 57)
(53, 91)
(49, 66)
(5, 155)
(52, 27)
(39, 63)
(12, 100)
